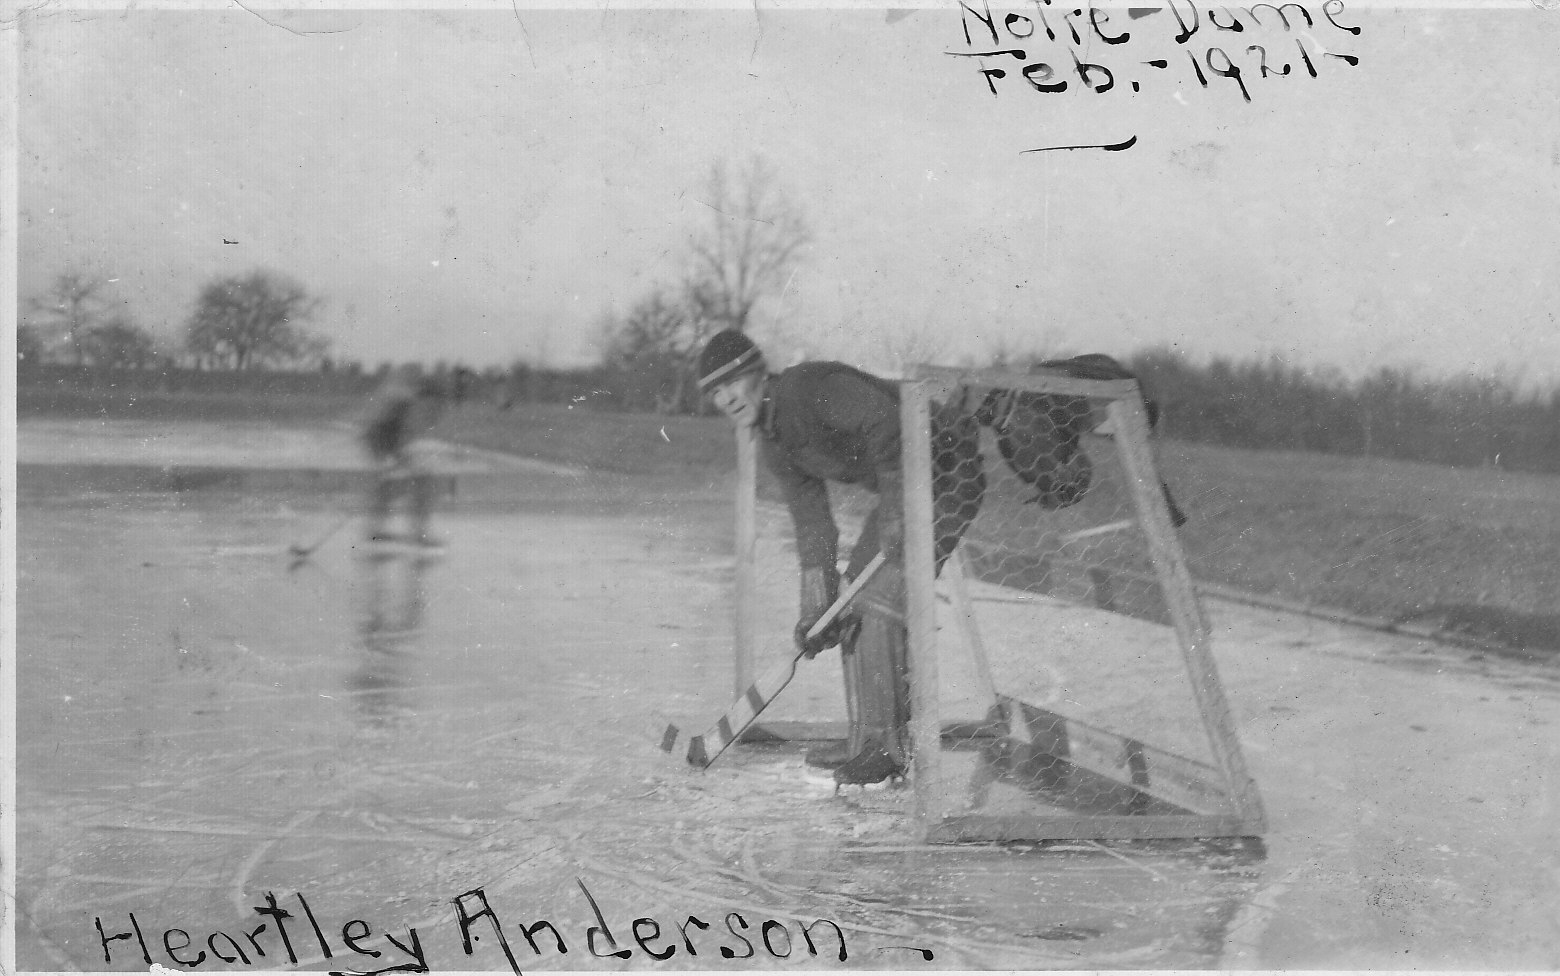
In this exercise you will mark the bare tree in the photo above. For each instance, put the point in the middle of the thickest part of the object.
(748, 247)
(744, 252)
(253, 320)
(119, 342)
(656, 346)
(73, 304)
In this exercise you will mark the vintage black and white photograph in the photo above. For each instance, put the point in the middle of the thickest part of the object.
(977, 485)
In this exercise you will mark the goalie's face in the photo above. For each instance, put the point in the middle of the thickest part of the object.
(741, 399)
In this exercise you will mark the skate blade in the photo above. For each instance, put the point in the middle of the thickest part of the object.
(823, 779)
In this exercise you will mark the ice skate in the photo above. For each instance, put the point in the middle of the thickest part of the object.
(871, 765)
(828, 755)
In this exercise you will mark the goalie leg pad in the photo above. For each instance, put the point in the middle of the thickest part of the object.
(878, 660)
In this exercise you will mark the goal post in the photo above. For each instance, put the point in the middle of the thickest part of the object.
(745, 624)
(1061, 677)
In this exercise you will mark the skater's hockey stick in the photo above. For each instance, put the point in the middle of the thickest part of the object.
(302, 553)
(704, 749)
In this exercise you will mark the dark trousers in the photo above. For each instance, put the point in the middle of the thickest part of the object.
(391, 483)
(876, 660)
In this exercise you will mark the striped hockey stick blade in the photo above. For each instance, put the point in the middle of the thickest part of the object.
(669, 738)
(704, 749)
(696, 754)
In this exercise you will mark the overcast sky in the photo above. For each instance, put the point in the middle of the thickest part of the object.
(482, 185)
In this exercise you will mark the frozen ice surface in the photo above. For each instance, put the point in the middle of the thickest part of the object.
(198, 727)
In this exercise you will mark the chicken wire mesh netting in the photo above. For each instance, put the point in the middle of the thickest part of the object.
(1064, 694)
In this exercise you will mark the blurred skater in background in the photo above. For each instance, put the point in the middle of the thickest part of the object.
(405, 408)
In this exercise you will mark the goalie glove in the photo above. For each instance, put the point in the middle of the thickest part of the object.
(819, 589)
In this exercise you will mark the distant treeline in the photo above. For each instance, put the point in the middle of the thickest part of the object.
(1264, 404)
(41, 384)
(1467, 422)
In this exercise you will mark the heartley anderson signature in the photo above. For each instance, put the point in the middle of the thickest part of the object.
(291, 930)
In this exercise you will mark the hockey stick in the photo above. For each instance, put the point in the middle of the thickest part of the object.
(301, 554)
(704, 749)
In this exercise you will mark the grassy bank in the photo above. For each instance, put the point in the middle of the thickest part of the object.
(213, 407)
(697, 449)
(1466, 550)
